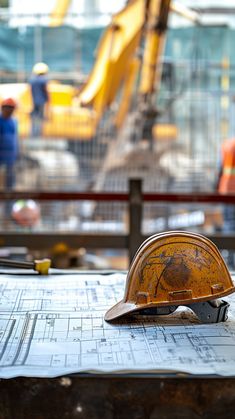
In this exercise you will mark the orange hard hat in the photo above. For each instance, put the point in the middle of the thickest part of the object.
(173, 269)
(9, 102)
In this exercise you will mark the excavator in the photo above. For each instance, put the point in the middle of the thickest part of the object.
(127, 64)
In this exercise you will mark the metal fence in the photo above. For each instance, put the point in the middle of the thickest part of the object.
(133, 217)
(186, 160)
(195, 101)
(196, 98)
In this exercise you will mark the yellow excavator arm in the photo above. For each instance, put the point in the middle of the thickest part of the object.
(59, 12)
(157, 16)
(140, 22)
(116, 50)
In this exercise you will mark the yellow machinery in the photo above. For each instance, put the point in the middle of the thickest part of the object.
(61, 100)
(173, 269)
(59, 12)
(76, 114)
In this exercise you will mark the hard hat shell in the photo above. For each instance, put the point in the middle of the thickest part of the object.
(40, 68)
(26, 212)
(9, 102)
(171, 269)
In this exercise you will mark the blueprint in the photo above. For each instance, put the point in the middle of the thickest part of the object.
(54, 325)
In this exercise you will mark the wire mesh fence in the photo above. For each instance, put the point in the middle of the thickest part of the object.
(182, 160)
(97, 216)
(175, 149)
(63, 222)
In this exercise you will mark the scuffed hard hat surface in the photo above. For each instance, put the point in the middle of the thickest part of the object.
(176, 268)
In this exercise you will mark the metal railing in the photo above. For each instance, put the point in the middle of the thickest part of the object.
(134, 237)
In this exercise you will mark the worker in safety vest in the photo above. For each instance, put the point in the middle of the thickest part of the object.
(226, 185)
(226, 182)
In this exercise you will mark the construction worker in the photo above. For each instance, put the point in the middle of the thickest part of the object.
(40, 97)
(8, 141)
(226, 185)
(226, 181)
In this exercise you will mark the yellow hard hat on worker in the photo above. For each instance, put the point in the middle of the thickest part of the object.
(40, 68)
(174, 269)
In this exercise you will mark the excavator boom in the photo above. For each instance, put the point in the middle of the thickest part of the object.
(59, 12)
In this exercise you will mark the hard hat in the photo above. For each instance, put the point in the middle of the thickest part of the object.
(26, 212)
(40, 68)
(9, 102)
(172, 269)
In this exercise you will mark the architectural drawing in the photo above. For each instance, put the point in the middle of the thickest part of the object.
(54, 326)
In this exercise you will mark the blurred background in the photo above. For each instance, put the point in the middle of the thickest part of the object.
(106, 121)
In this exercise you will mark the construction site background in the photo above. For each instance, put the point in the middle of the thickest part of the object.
(196, 102)
(72, 50)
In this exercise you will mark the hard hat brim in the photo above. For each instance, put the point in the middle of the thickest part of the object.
(124, 308)
(119, 310)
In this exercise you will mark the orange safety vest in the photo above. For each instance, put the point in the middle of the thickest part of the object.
(227, 179)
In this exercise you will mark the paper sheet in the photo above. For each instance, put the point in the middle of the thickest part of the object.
(51, 326)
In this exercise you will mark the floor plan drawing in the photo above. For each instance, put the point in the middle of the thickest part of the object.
(54, 326)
